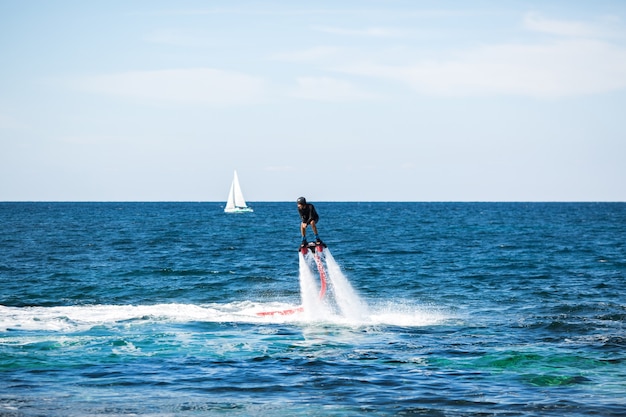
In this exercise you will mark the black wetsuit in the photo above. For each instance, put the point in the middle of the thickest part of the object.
(308, 213)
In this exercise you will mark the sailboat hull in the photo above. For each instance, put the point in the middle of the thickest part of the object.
(238, 210)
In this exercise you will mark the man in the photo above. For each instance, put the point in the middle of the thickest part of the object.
(309, 217)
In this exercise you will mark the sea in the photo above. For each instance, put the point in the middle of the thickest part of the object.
(429, 309)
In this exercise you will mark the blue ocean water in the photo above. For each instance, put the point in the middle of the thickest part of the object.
(437, 309)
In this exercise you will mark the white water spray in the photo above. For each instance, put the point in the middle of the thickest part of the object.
(340, 295)
(349, 303)
(328, 296)
(311, 302)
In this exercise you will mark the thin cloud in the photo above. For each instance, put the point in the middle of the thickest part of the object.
(197, 86)
(281, 168)
(573, 64)
(538, 23)
(369, 32)
(175, 37)
(328, 89)
(315, 54)
(548, 71)
(9, 122)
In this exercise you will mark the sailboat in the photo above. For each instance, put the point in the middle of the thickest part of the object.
(236, 203)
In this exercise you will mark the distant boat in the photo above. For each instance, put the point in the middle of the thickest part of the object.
(236, 203)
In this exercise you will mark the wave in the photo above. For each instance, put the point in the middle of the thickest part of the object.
(82, 318)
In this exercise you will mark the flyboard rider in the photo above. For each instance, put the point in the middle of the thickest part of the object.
(309, 216)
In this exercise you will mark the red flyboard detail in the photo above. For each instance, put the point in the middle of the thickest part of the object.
(281, 312)
(322, 272)
(320, 269)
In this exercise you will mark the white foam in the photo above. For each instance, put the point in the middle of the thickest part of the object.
(77, 318)
(71, 319)
(405, 314)
(340, 305)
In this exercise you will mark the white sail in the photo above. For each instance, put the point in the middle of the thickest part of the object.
(236, 203)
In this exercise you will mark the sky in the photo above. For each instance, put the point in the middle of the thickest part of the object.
(369, 100)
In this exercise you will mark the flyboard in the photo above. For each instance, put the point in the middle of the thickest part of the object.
(316, 248)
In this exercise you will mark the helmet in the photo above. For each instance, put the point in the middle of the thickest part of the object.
(301, 200)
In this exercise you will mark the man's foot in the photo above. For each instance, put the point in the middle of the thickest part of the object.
(304, 243)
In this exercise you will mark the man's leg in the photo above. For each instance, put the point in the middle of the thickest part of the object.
(314, 227)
